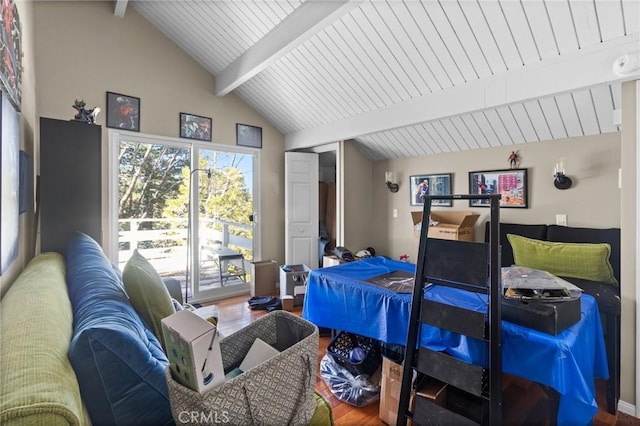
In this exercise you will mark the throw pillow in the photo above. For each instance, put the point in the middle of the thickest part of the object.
(147, 293)
(576, 260)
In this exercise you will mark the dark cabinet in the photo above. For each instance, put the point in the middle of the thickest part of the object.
(70, 182)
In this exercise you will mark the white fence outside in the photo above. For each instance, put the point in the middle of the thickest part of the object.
(163, 241)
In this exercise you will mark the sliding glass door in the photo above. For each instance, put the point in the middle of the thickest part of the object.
(186, 207)
(223, 226)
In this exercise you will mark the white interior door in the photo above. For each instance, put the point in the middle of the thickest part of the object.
(301, 205)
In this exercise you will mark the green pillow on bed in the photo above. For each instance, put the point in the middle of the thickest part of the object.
(576, 260)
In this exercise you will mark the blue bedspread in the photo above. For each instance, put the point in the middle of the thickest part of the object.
(339, 298)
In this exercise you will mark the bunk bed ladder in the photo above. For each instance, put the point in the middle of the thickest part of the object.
(474, 394)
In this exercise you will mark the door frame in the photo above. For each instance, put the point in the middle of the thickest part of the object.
(338, 148)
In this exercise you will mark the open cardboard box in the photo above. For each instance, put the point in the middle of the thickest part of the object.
(391, 384)
(452, 225)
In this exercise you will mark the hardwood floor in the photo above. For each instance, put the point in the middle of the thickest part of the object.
(524, 401)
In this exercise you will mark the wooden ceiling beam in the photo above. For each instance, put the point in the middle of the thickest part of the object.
(589, 67)
(303, 23)
(120, 7)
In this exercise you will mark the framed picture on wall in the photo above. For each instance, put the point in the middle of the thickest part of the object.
(195, 127)
(247, 135)
(123, 112)
(512, 184)
(11, 43)
(433, 184)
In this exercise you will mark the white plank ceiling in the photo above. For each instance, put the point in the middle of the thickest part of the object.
(405, 78)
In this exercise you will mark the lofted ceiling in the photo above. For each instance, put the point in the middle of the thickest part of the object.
(404, 78)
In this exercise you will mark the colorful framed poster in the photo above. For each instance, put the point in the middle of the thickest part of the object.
(512, 184)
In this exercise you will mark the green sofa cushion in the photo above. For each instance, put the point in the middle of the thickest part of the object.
(37, 383)
(147, 293)
(323, 416)
(576, 260)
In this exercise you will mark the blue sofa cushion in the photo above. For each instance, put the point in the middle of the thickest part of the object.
(119, 363)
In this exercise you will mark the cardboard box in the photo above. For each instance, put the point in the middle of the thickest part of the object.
(264, 278)
(452, 225)
(287, 303)
(331, 261)
(433, 390)
(390, 386)
(293, 282)
(193, 349)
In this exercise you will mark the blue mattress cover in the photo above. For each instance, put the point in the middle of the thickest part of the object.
(338, 297)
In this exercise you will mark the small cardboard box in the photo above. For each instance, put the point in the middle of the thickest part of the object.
(328, 261)
(433, 390)
(390, 386)
(334, 260)
(452, 225)
(264, 277)
(293, 282)
(193, 349)
(287, 303)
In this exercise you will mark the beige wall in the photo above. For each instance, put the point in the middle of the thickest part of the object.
(628, 241)
(357, 207)
(84, 50)
(28, 119)
(593, 201)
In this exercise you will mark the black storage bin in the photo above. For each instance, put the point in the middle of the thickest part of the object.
(548, 317)
(341, 346)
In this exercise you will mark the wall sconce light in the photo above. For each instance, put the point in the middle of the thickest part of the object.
(561, 180)
(389, 181)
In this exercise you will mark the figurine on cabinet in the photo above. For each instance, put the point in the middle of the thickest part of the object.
(85, 115)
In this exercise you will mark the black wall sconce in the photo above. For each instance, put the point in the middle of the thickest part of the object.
(389, 181)
(561, 180)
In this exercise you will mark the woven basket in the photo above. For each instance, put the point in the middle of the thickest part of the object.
(279, 391)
